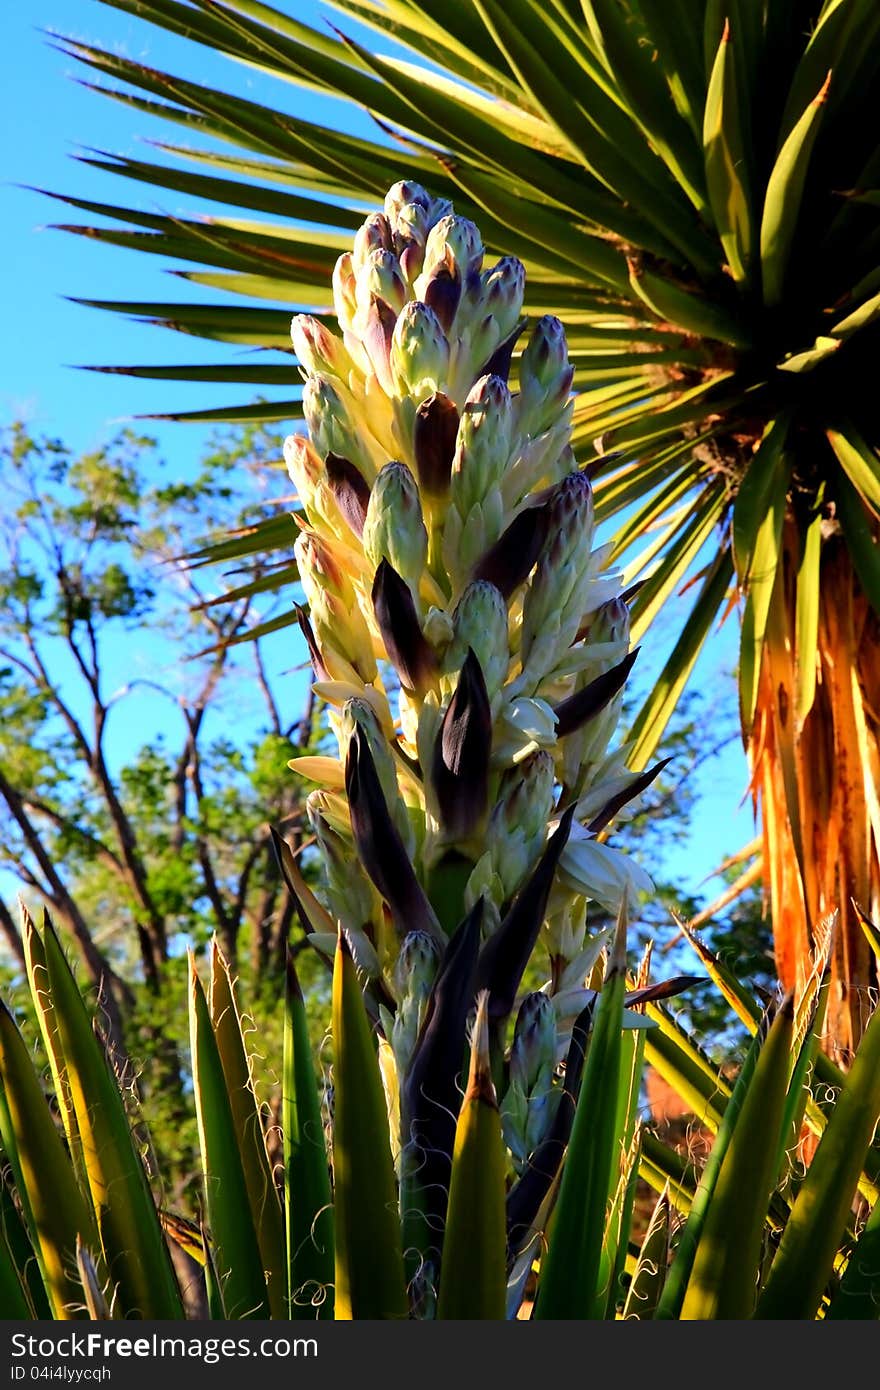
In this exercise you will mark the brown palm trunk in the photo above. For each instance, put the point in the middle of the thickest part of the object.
(818, 786)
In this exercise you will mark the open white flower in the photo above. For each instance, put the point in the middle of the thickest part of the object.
(600, 872)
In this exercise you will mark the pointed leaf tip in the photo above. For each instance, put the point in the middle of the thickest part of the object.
(460, 768)
(409, 651)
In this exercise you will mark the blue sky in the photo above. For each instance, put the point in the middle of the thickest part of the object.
(46, 117)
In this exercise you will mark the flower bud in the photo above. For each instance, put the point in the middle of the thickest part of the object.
(350, 895)
(460, 763)
(475, 517)
(453, 256)
(411, 227)
(381, 278)
(609, 623)
(554, 601)
(345, 291)
(321, 569)
(412, 221)
(483, 444)
(508, 562)
(377, 337)
(406, 193)
(350, 491)
(379, 846)
(304, 467)
(325, 415)
(484, 883)
(456, 243)
(411, 258)
(335, 613)
(518, 824)
(496, 310)
(545, 376)
(442, 294)
(373, 235)
(419, 353)
(437, 627)
(409, 652)
(565, 936)
(533, 1052)
(319, 350)
(531, 1099)
(434, 437)
(414, 973)
(358, 713)
(592, 694)
(394, 529)
(416, 965)
(480, 622)
(503, 290)
(587, 718)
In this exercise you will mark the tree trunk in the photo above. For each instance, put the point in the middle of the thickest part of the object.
(818, 787)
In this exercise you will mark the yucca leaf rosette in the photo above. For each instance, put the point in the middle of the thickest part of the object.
(471, 645)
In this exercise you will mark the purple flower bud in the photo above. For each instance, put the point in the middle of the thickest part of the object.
(350, 490)
(584, 704)
(508, 563)
(411, 261)
(378, 842)
(377, 337)
(430, 1096)
(442, 294)
(460, 771)
(434, 435)
(318, 667)
(409, 652)
(635, 788)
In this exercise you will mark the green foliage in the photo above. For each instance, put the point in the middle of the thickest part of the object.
(809, 1213)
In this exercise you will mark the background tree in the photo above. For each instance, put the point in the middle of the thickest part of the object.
(143, 746)
(692, 187)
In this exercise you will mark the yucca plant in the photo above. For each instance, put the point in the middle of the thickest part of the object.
(692, 187)
(484, 1135)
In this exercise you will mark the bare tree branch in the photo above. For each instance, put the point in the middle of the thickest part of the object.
(11, 932)
(71, 827)
(111, 989)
